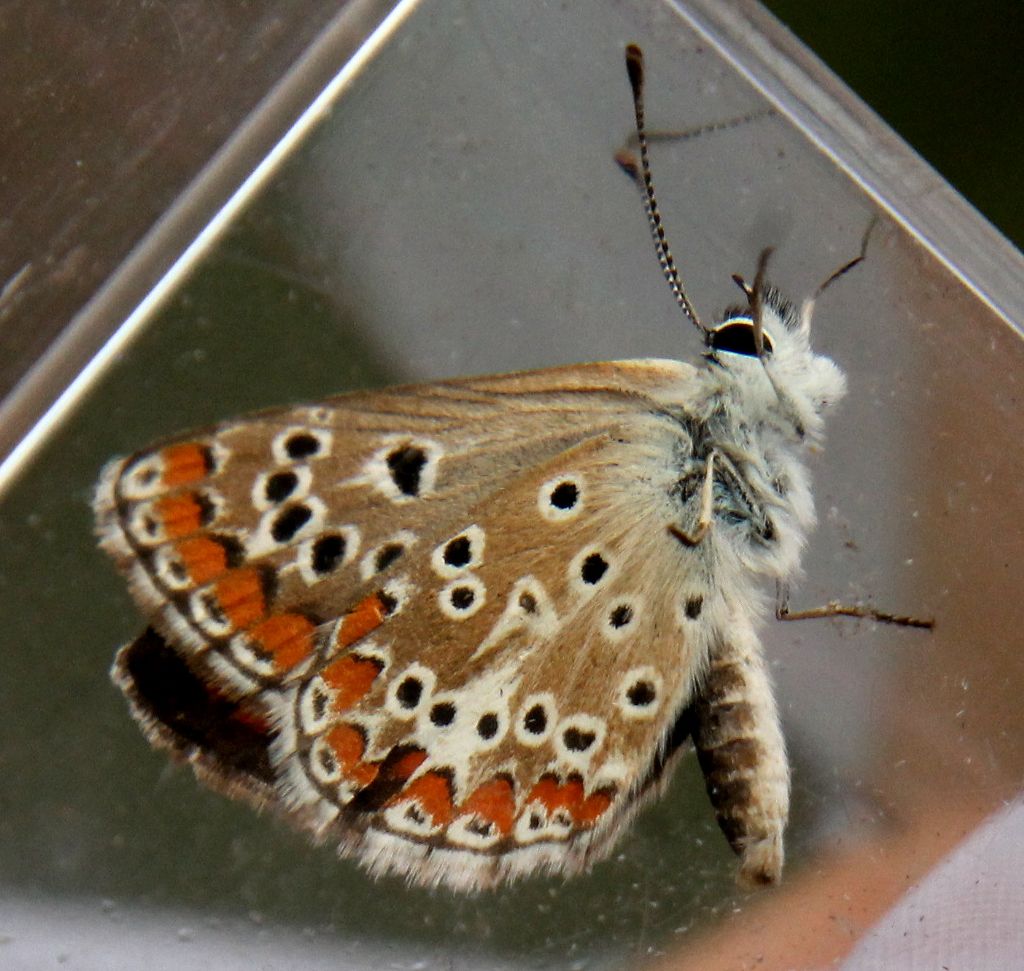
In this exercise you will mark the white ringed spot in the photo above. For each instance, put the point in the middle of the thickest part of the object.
(381, 556)
(578, 738)
(536, 719)
(405, 469)
(473, 831)
(287, 524)
(561, 498)
(591, 568)
(462, 598)
(464, 551)
(249, 660)
(321, 556)
(314, 703)
(410, 692)
(323, 763)
(410, 816)
(301, 444)
(639, 693)
(170, 569)
(143, 478)
(621, 618)
(271, 489)
(208, 615)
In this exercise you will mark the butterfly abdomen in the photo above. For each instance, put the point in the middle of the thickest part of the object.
(739, 743)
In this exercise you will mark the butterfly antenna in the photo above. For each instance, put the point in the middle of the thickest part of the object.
(685, 134)
(807, 310)
(757, 300)
(635, 69)
(755, 295)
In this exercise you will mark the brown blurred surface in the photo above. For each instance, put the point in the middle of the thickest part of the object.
(109, 110)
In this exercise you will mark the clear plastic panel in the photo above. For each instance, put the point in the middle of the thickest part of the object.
(457, 209)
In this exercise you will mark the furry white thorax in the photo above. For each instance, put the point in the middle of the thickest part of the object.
(761, 416)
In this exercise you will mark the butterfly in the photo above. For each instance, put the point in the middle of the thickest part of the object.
(465, 630)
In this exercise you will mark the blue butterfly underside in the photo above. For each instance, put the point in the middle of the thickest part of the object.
(448, 629)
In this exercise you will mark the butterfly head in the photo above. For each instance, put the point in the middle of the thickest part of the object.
(765, 350)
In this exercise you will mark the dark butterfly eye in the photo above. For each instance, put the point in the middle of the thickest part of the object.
(737, 337)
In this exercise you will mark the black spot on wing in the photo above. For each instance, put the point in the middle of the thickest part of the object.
(458, 552)
(328, 552)
(406, 466)
(301, 445)
(280, 486)
(289, 522)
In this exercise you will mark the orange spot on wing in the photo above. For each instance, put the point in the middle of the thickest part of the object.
(569, 796)
(572, 795)
(365, 616)
(493, 801)
(363, 774)
(350, 677)
(203, 558)
(183, 464)
(592, 808)
(239, 594)
(179, 515)
(433, 792)
(348, 745)
(407, 764)
(553, 796)
(288, 637)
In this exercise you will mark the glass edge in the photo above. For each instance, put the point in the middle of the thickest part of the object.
(49, 391)
(846, 130)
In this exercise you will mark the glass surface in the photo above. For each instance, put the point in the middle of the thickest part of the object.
(458, 210)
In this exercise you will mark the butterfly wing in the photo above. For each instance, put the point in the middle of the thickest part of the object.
(239, 543)
(450, 617)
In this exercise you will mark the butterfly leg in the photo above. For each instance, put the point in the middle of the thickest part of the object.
(742, 754)
(835, 609)
(707, 495)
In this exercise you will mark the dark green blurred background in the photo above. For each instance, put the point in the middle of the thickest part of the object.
(948, 76)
